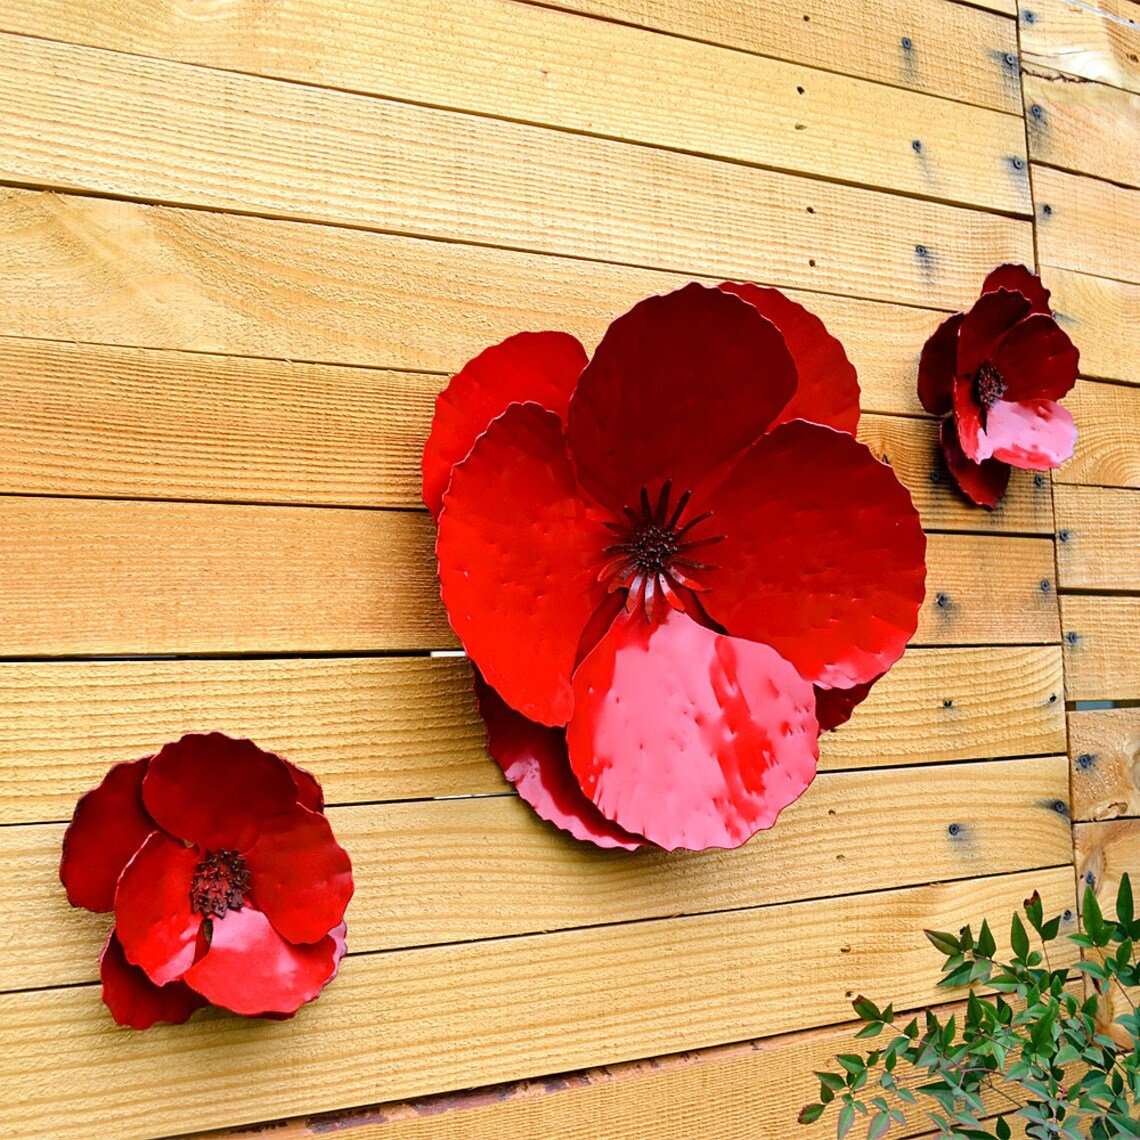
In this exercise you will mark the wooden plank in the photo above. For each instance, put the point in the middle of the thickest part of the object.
(1099, 529)
(103, 576)
(95, 270)
(1100, 637)
(233, 142)
(1098, 40)
(1105, 750)
(1084, 127)
(497, 58)
(476, 1013)
(376, 729)
(516, 60)
(1086, 224)
(1103, 318)
(1108, 446)
(440, 871)
(75, 420)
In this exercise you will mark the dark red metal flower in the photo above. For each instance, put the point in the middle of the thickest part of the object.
(997, 373)
(671, 563)
(225, 880)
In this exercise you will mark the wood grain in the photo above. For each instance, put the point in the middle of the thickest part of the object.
(78, 420)
(1100, 638)
(441, 871)
(477, 1013)
(506, 59)
(384, 729)
(1108, 446)
(1098, 41)
(1091, 226)
(98, 576)
(1088, 128)
(96, 270)
(1101, 537)
(1103, 318)
(1104, 747)
(497, 58)
(229, 142)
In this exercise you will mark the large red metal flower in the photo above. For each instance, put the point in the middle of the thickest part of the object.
(668, 563)
(227, 885)
(999, 371)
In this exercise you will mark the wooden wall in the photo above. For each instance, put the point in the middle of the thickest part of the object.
(243, 244)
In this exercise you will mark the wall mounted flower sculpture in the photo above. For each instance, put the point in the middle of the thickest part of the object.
(226, 883)
(670, 564)
(997, 373)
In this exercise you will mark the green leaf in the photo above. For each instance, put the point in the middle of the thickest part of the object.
(943, 942)
(1124, 909)
(810, 1113)
(1034, 911)
(879, 1124)
(987, 947)
(1018, 939)
(1003, 1130)
(865, 1008)
(831, 1081)
(846, 1119)
(851, 1062)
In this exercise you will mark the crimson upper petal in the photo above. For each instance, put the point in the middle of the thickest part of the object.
(310, 794)
(828, 388)
(534, 759)
(937, 366)
(134, 1000)
(301, 877)
(215, 791)
(529, 367)
(823, 555)
(251, 969)
(1018, 279)
(107, 828)
(992, 315)
(519, 554)
(677, 386)
(688, 737)
(984, 482)
(1036, 360)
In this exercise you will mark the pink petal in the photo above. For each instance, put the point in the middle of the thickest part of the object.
(134, 1000)
(519, 555)
(993, 315)
(534, 759)
(250, 969)
(984, 482)
(107, 828)
(1018, 279)
(300, 877)
(157, 928)
(688, 737)
(828, 388)
(1037, 434)
(678, 385)
(217, 792)
(1036, 360)
(936, 366)
(822, 557)
(530, 367)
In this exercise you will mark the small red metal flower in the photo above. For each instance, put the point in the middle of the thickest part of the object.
(999, 371)
(225, 880)
(670, 563)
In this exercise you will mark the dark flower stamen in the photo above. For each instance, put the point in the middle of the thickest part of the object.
(989, 385)
(221, 883)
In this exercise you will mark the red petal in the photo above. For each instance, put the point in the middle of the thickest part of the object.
(519, 554)
(678, 385)
(1038, 434)
(250, 969)
(217, 792)
(992, 316)
(937, 365)
(107, 828)
(828, 389)
(688, 737)
(968, 420)
(984, 482)
(310, 794)
(822, 557)
(534, 759)
(1018, 279)
(134, 999)
(1036, 360)
(300, 877)
(155, 924)
(530, 367)
(834, 707)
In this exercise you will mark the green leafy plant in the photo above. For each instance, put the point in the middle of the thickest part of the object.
(1029, 1047)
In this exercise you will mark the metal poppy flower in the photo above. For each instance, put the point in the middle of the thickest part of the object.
(669, 561)
(226, 883)
(999, 371)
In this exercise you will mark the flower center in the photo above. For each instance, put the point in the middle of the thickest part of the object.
(653, 557)
(220, 884)
(989, 385)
